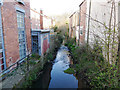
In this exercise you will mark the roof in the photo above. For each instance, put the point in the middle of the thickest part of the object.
(73, 14)
(82, 3)
(40, 30)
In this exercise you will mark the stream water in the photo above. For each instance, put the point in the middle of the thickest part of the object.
(53, 74)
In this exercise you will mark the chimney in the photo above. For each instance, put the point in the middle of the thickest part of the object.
(41, 19)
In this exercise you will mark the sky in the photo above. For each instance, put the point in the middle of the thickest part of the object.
(55, 7)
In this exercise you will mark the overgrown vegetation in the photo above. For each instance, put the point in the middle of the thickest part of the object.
(92, 66)
(36, 62)
(55, 44)
(32, 76)
(70, 71)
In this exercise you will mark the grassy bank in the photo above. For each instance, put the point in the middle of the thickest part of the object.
(90, 65)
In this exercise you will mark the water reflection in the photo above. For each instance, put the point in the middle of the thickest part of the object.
(53, 74)
(59, 79)
(44, 79)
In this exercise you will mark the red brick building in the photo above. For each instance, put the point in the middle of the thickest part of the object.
(82, 10)
(77, 23)
(73, 23)
(16, 30)
(41, 35)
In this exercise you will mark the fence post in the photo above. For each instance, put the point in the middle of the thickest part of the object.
(42, 61)
(17, 64)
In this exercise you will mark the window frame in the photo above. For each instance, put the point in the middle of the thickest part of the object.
(2, 50)
(21, 32)
(81, 30)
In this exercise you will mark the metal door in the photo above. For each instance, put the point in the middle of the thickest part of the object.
(35, 48)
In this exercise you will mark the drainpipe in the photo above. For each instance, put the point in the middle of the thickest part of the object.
(88, 24)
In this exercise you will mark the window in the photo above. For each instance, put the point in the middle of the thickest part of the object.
(21, 2)
(35, 44)
(21, 34)
(81, 30)
(2, 55)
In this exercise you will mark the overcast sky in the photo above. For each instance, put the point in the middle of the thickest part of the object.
(56, 7)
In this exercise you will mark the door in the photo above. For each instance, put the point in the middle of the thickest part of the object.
(35, 48)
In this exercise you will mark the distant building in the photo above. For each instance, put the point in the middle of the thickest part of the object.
(47, 22)
(40, 33)
(15, 32)
(74, 25)
(77, 24)
(40, 41)
(40, 21)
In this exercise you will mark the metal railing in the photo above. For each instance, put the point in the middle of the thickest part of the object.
(7, 70)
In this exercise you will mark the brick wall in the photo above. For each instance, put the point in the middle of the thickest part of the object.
(45, 43)
(70, 26)
(10, 31)
(83, 8)
(35, 23)
(41, 19)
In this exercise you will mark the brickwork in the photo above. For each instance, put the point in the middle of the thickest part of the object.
(41, 19)
(83, 8)
(10, 30)
(45, 43)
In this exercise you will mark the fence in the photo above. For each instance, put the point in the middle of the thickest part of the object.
(7, 70)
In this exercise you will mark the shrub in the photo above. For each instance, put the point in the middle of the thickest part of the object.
(91, 63)
(70, 71)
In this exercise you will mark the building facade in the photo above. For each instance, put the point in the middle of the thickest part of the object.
(15, 31)
(74, 25)
(40, 33)
(77, 23)
(82, 24)
(99, 21)
(40, 41)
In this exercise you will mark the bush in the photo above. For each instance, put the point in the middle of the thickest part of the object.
(70, 71)
(91, 64)
(35, 56)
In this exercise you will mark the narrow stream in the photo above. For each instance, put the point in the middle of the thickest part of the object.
(53, 74)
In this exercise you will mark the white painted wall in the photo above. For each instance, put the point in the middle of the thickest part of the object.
(100, 11)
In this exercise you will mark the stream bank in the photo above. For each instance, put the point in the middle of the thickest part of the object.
(53, 74)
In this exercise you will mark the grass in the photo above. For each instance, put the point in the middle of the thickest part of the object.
(70, 71)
